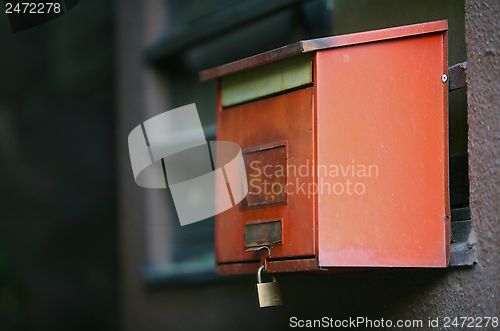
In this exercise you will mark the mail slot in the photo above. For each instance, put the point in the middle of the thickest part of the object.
(345, 143)
(267, 178)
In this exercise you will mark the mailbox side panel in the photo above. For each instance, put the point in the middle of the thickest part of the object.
(382, 135)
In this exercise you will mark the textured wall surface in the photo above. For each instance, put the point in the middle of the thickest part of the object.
(482, 26)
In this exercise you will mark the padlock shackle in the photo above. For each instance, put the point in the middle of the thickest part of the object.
(259, 274)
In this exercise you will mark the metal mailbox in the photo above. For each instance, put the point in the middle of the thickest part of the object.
(345, 142)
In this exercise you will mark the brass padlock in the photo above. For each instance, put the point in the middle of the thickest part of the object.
(269, 293)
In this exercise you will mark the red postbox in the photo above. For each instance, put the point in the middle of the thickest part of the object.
(345, 142)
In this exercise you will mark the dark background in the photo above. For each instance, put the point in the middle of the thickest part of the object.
(58, 252)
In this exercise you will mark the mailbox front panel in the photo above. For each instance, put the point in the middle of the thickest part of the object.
(383, 153)
(276, 137)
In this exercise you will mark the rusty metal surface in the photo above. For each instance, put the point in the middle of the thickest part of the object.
(292, 265)
(237, 268)
(251, 62)
(307, 264)
(462, 255)
(266, 187)
(375, 35)
(284, 120)
(460, 231)
(463, 244)
(320, 44)
(369, 114)
(457, 76)
(265, 233)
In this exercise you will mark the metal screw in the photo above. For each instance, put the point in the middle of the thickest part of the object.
(444, 78)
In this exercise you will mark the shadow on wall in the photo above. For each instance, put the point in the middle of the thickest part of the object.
(396, 295)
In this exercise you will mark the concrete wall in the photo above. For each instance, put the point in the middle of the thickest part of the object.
(482, 26)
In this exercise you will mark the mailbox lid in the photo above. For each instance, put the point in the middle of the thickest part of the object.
(382, 125)
(312, 45)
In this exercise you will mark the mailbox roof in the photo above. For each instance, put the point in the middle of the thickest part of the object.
(305, 46)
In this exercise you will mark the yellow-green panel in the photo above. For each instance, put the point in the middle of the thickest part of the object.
(267, 79)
